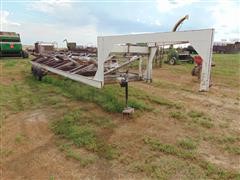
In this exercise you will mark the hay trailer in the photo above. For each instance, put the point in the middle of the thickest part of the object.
(201, 40)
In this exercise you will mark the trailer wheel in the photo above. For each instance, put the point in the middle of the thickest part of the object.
(38, 73)
(172, 61)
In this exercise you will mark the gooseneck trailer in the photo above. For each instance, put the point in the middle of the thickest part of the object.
(95, 74)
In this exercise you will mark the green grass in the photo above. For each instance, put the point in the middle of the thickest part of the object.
(20, 138)
(228, 143)
(5, 152)
(83, 159)
(15, 97)
(169, 149)
(85, 131)
(187, 143)
(210, 170)
(227, 65)
(193, 117)
(168, 167)
(110, 98)
(179, 115)
(10, 63)
(201, 119)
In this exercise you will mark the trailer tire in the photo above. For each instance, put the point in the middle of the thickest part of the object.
(172, 61)
(38, 73)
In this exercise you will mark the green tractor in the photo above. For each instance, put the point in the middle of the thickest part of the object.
(10, 45)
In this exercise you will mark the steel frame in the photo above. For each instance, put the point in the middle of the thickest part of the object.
(201, 40)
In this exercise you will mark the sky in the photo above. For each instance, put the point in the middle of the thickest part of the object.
(82, 21)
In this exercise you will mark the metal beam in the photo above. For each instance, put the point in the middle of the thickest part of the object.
(201, 40)
(75, 77)
(130, 49)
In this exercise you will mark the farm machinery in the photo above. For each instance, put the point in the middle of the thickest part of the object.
(10, 45)
(105, 69)
(175, 55)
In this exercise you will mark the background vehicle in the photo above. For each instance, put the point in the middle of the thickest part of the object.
(10, 45)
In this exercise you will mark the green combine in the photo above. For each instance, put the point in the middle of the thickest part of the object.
(10, 45)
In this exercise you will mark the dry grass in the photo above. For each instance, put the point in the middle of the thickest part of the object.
(166, 139)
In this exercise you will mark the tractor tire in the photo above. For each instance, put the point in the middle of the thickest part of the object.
(172, 61)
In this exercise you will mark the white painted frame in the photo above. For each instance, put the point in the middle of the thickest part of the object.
(201, 40)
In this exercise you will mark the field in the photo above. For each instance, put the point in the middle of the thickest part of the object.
(60, 129)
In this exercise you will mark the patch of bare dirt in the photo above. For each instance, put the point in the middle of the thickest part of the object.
(33, 150)
(218, 157)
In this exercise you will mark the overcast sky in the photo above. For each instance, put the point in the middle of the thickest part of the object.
(82, 21)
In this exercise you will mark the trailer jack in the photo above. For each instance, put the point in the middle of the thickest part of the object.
(127, 111)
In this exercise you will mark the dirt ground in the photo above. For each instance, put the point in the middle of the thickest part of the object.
(29, 149)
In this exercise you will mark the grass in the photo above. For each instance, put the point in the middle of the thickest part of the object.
(19, 138)
(5, 152)
(12, 63)
(194, 117)
(187, 144)
(201, 119)
(85, 131)
(179, 115)
(228, 143)
(168, 167)
(169, 149)
(210, 170)
(85, 134)
(83, 159)
(110, 98)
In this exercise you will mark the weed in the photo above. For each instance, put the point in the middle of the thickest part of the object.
(107, 98)
(233, 149)
(224, 125)
(167, 167)
(164, 102)
(19, 138)
(84, 161)
(228, 139)
(169, 149)
(107, 151)
(5, 152)
(51, 178)
(201, 119)
(210, 169)
(178, 115)
(82, 130)
(11, 63)
(204, 122)
(195, 114)
(187, 143)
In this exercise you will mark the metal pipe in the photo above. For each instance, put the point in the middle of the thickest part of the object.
(179, 22)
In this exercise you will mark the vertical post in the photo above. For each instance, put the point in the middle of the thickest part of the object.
(149, 65)
(126, 93)
(206, 68)
(140, 68)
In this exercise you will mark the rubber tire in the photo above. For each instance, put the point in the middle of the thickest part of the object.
(172, 61)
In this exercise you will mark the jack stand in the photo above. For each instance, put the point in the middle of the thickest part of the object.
(127, 111)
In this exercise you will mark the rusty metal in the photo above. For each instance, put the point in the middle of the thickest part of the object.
(75, 64)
